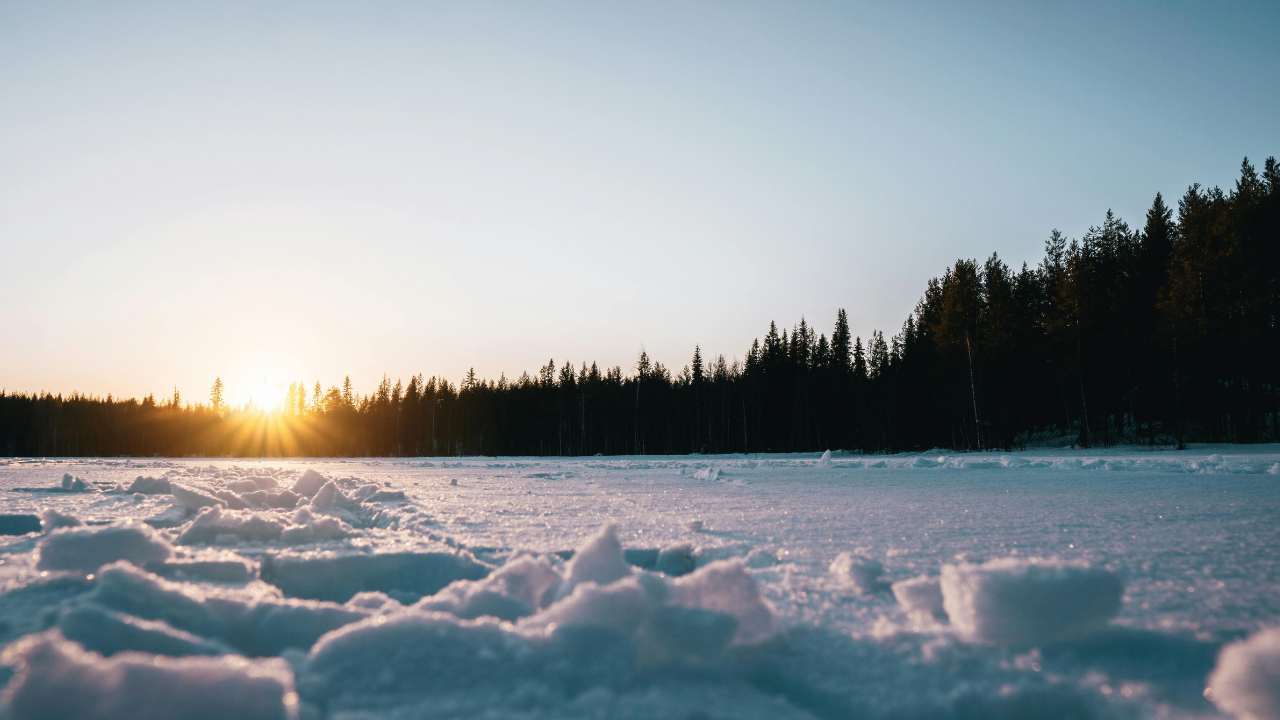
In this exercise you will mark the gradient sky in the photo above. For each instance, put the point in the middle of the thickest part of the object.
(307, 190)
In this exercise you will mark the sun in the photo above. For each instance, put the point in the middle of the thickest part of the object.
(256, 393)
(265, 395)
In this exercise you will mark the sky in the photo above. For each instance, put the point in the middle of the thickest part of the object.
(270, 192)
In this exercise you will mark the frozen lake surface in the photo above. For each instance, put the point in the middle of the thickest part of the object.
(1028, 584)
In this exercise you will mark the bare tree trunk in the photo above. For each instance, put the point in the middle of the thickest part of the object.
(973, 392)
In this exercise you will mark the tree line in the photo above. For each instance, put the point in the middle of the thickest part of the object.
(1164, 334)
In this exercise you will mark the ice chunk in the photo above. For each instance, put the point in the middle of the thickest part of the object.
(339, 577)
(54, 678)
(87, 549)
(309, 483)
(107, 632)
(51, 519)
(214, 523)
(149, 485)
(921, 597)
(859, 573)
(1246, 681)
(1014, 601)
(19, 524)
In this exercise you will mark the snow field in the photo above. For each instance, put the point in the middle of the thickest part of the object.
(391, 590)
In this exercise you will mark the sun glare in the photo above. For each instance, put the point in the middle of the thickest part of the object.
(257, 389)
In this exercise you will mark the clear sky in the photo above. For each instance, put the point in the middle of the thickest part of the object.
(276, 191)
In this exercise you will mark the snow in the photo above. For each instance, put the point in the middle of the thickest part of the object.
(71, 483)
(147, 485)
(920, 597)
(409, 575)
(54, 678)
(106, 632)
(1127, 582)
(1246, 681)
(51, 519)
(309, 483)
(87, 549)
(599, 561)
(1012, 601)
(859, 573)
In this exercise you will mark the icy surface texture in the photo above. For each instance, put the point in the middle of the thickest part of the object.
(1101, 584)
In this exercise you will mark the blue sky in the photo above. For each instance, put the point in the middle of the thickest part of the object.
(306, 190)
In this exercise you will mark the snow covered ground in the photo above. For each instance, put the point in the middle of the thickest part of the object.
(1117, 583)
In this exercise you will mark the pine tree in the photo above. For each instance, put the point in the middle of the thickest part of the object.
(860, 372)
(215, 395)
(840, 348)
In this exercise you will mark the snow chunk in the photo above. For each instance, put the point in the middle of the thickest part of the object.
(621, 606)
(149, 486)
(599, 560)
(257, 483)
(213, 524)
(1246, 681)
(308, 528)
(509, 593)
(253, 624)
(87, 549)
(71, 483)
(330, 499)
(1012, 601)
(51, 520)
(676, 560)
(192, 499)
(377, 602)
(280, 499)
(107, 632)
(432, 653)
(55, 678)
(725, 586)
(309, 483)
(859, 573)
(338, 578)
(920, 597)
